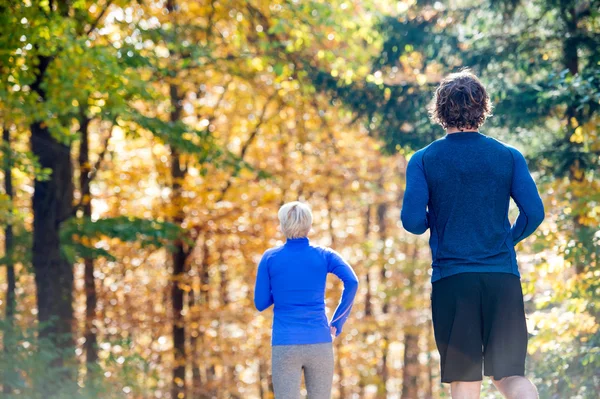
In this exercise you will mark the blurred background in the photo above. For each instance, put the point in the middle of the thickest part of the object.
(147, 146)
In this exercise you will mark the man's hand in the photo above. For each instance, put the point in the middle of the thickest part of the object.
(333, 331)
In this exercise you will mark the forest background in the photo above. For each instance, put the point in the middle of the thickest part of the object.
(147, 146)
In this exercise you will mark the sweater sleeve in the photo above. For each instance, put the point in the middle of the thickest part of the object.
(525, 194)
(344, 272)
(263, 298)
(416, 196)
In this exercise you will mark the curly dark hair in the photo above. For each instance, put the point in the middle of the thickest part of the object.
(460, 102)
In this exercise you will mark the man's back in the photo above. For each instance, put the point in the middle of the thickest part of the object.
(466, 180)
(460, 187)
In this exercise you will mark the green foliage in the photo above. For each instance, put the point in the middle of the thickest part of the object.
(24, 161)
(569, 370)
(28, 367)
(21, 251)
(80, 236)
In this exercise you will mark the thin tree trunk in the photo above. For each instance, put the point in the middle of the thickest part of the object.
(430, 366)
(410, 372)
(91, 341)
(11, 302)
(571, 62)
(193, 358)
(384, 371)
(571, 43)
(204, 298)
(340, 369)
(178, 256)
(224, 284)
(368, 295)
(338, 361)
(52, 204)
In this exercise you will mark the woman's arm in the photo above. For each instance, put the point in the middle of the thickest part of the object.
(344, 272)
(263, 298)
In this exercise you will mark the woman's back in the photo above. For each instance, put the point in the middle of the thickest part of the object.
(293, 278)
(298, 274)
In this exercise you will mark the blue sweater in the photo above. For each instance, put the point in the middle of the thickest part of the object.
(460, 187)
(293, 277)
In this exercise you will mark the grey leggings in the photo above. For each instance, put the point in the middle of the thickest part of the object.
(317, 362)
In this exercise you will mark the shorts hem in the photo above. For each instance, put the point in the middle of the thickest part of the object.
(499, 376)
(463, 379)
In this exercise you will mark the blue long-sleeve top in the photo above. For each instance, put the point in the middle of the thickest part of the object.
(293, 277)
(460, 187)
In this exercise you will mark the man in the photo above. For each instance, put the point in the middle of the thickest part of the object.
(459, 187)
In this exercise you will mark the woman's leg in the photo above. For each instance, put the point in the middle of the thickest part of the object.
(318, 370)
(287, 371)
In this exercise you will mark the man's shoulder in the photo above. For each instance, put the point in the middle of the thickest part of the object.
(429, 148)
(513, 151)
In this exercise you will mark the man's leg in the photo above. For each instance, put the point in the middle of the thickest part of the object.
(505, 336)
(465, 389)
(516, 387)
(457, 325)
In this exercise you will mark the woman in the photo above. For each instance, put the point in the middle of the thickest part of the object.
(293, 277)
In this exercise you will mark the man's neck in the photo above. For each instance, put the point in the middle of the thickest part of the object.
(451, 130)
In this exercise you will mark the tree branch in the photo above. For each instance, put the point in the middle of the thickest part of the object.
(246, 145)
(98, 18)
(94, 170)
(101, 155)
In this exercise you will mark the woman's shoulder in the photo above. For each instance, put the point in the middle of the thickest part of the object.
(272, 251)
(326, 252)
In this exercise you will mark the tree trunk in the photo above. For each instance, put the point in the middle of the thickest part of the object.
(384, 372)
(195, 306)
(430, 366)
(571, 43)
(11, 302)
(204, 301)
(262, 372)
(411, 369)
(52, 204)
(177, 293)
(340, 369)
(179, 256)
(194, 351)
(571, 62)
(410, 372)
(368, 295)
(91, 340)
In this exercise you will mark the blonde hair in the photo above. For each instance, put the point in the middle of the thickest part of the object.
(295, 219)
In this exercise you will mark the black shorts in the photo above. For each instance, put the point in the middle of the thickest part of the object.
(479, 318)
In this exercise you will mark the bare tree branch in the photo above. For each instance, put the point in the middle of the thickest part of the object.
(247, 143)
(98, 18)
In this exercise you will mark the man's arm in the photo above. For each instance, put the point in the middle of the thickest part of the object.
(263, 298)
(416, 197)
(344, 272)
(527, 198)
